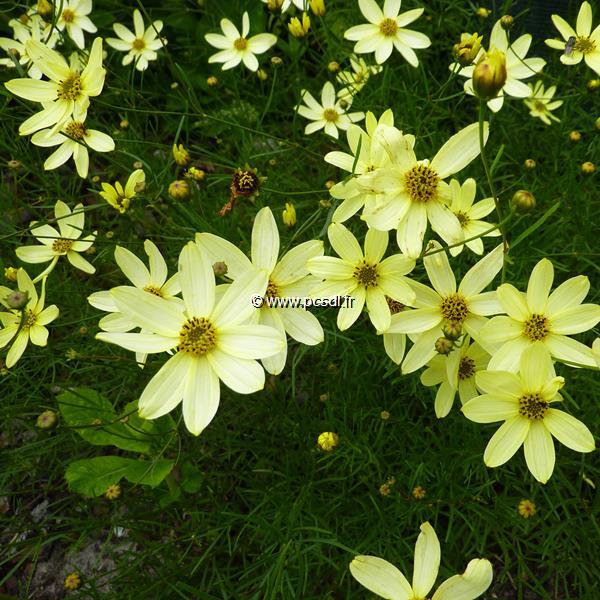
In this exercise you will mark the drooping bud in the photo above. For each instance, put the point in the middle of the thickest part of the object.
(489, 75)
(523, 201)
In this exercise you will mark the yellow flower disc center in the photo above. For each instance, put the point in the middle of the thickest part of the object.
(138, 44)
(388, 27)
(197, 336)
(537, 327)
(366, 275)
(539, 106)
(394, 306)
(533, 406)
(69, 88)
(30, 319)
(152, 289)
(584, 45)
(330, 115)
(272, 290)
(62, 245)
(463, 218)
(76, 130)
(466, 368)
(240, 44)
(455, 308)
(68, 16)
(421, 183)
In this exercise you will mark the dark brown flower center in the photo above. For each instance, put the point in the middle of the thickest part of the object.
(421, 183)
(388, 27)
(533, 406)
(454, 308)
(197, 336)
(466, 368)
(537, 327)
(366, 274)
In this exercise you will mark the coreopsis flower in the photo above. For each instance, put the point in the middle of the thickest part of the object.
(235, 47)
(523, 402)
(287, 278)
(366, 276)
(68, 91)
(120, 197)
(414, 191)
(386, 31)
(73, 140)
(582, 44)
(28, 324)
(151, 280)
(455, 372)
(517, 66)
(210, 337)
(526, 508)
(141, 46)
(596, 351)
(354, 80)
(540, 103)
(446, 305)
(395, 343)
(469, 215)
(35, 29)
(367, 155)
(541, 316)
(385, 580)
(64, 242)
(74, 18)
(329, 115)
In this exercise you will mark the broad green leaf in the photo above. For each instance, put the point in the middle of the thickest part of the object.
(93, 476)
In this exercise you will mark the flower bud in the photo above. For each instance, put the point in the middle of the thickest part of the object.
(274, 5)
(13, 164)
(47, 420)
(44, 9)
(593, 84)
(262, 74)
(597, 123)
(482, 12)
(489, 75)
(575, 136)
(333, 66)
(17, 299)
(181, 155)
(506, 22)
(10, 273)
(299, 29)
(444, 346)
(318, 7)
(276, 61)
(289, 215)
(466, 50)
(529, 164)
(588, 168)
(179, 189)
(523, 201)
(452, 331)
(220, 269)
(328, 440)
(212, 81)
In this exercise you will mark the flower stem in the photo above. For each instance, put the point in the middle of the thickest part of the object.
(490, 181)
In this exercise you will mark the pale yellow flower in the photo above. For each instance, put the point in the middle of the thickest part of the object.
(539, 315)
(29, 324)
(329, 115)
(74, 18)
(120, 197)
(236, 47)
(366, 276)
(211, 340)
(384, 579)
(540, 103)
(55, 244)
(584, 43)
(386, 31)
(141, 46)
(523, 402)
(68, 92)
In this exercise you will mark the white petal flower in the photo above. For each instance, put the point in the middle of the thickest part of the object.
(287, 277)
(211, 338)
(386, 31)
(329, 115)
(74, 18)
(236, 47)
(141, 46)
(540, 103)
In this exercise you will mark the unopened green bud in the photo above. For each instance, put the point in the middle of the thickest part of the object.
(523, 201)
(444, 346)
(506, 22)
(452, 330)
(489, 75)
(220, 269)
(47, 420)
